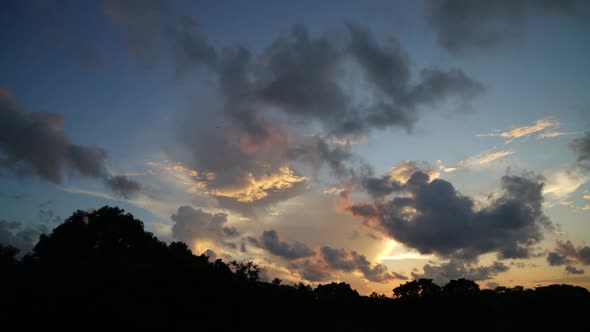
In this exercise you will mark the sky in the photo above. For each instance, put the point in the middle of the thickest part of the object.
(370, 142)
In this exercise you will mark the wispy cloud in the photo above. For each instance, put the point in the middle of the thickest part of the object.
(158, 208)
(444, 168)
(524, 131)
(586, 196)
(564, 181)
(550, 134)
(332, 191)
(566, 203)
(485, 157)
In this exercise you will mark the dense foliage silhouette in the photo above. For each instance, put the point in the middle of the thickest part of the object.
(101, 269)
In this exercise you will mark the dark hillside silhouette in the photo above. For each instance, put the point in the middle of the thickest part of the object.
(101, 269)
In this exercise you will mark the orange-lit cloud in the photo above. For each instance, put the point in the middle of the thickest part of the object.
(255, 188)
(517, 132)
(402, 171)
(485, 157)
(550, 134)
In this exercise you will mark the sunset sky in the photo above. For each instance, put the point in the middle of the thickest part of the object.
(371, 142)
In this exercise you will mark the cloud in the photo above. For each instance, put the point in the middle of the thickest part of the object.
(329, 260)
(550, 134)
(573, 270)
(461, 25)
(47, 215)
(313, 271)
(200, 228)
(348, 261)
(581, 146)
(32, 143)
(394, 179)
(453, 270)
(271, 242)
(564, 181)
(555, 259)
(432, 217)
(14, 233)
(565, 252)
(255, 189)
(122, 185)
(524, 131)
(296, 78)
(485, 157)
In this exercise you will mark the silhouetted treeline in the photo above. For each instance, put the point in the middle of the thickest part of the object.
(103, 270)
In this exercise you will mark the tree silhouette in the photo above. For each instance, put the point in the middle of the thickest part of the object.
(102, 267)
(461, 287)
(416, 288)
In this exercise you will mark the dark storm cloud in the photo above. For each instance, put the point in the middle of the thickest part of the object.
(34, 144)
(14, 233)
(581, 146)
(190, 225)
(555, 259)
(565, 252)
(453, 270)
(464, 24)
(387, 67)
(446, 223)
(573, 270)
(301, 75)
(313, 271)
(348, 261)
(122, 185)
(437, 85)
(316, 152)
(379, 187)
(271, 242)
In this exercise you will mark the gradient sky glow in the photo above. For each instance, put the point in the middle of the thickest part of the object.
(371, 142)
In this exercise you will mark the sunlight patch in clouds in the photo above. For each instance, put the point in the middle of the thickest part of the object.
(254, 189)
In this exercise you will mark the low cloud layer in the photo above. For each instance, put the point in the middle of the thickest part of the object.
(565, 253)
(271, 242)
(452, 270)
(15, 234)
(33, 144)
(479, 24)
(433, 217)
(192, 226)
(349, 261)
(572, 270)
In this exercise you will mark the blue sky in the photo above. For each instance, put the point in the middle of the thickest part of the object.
(145, 84)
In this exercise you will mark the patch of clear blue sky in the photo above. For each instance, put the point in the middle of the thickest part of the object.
(120, 107)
